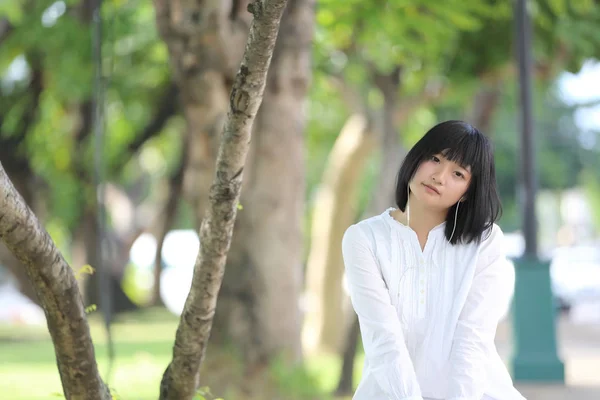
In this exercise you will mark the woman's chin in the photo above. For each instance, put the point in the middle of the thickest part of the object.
(432, 202)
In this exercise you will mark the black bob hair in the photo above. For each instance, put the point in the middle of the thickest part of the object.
(463, 144)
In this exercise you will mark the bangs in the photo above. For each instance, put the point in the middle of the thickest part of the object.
(466, 149)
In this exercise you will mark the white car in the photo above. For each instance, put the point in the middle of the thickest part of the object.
(575, 274)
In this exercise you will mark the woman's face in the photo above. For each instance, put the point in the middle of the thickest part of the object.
(440, 183)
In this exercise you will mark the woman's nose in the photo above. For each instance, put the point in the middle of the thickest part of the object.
(440, 176)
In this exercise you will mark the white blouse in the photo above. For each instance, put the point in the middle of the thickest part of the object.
(428, 317)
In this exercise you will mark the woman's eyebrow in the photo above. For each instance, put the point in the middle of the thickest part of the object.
(465, 167)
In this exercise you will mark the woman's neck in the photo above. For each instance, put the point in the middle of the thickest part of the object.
(421, 219)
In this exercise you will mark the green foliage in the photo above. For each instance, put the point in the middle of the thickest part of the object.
(58, 45)
(413, 33)
(296, 382)
(453, 43)
(566, 32)
(560, 157)
(204, 393)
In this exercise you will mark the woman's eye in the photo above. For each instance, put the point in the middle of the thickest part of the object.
(434, 158)
(459, 174)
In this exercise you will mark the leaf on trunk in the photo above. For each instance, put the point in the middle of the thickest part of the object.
(90, 308)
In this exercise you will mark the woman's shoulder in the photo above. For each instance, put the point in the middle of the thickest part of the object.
(375, 223)
(493, 244)
(492, 236)
(369, 228)
(492, 239)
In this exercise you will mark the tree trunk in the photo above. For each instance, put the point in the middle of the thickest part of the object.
(181, 377)
(346, 383)
(391, 149)
(392, 152)
(167, 219)
(335, 210)
(115, 260)
(485, 103)
(258, 306)
(328, 307)
(205, 41)
(58, 292)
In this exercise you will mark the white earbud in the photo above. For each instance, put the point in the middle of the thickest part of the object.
(455, 218)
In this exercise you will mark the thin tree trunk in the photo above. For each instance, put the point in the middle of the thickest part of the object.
(391, 149)
(335, 210)
(346, 384)
(116, 259)
(175, 188)
(58, 292)
(181, 377)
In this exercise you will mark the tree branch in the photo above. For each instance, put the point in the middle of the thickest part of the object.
(58, 292)
(34, 92)
(166, 108)
(6, 29)
(182, 375)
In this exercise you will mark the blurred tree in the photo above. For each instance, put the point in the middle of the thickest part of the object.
(181, 378)
(46, 123)
(258, 305)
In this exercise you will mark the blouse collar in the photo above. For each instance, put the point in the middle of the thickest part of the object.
(395, 223)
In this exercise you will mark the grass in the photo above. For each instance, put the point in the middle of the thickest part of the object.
(143, 344)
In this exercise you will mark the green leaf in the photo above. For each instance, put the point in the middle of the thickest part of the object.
(90, 308)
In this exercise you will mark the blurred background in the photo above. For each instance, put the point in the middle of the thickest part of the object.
(352, 86)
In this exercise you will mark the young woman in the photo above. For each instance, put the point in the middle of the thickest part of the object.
(429, 280)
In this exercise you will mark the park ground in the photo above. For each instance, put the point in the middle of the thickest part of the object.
(143, 343)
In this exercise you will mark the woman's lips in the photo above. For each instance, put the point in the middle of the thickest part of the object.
(431, 188)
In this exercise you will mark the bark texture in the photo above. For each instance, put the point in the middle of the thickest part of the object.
(181, 377)
(334, 211)
(57, 291)
(258, 306)
(206, 42)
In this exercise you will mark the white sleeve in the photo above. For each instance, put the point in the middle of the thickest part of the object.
(383, 340)
(488, 299)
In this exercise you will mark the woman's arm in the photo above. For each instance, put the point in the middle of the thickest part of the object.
(488, 299)
(381, 331)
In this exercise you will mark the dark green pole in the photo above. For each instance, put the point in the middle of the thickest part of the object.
(103, 269)
(535, 357)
